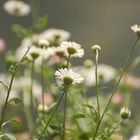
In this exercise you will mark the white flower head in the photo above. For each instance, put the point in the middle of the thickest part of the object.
(35, 53)
(67, 77)
(43, 43)
(136, 137)
(17, 8)
(55, 35)
(73, 49)
(135, 28)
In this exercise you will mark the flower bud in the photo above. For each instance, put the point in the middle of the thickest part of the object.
(125, 113)
(96, 48)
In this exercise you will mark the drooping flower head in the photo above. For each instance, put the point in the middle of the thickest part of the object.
(17, 8)
(125, 113)
(73, 49)
(67, 77)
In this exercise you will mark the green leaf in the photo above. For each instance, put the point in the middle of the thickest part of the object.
(78, 116)
(15, 100)
(48, 73)
(21, 31)
(12, 122)
(7, 136)
(41, 23)
(4, 84)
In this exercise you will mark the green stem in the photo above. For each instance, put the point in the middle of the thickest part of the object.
(68, 61)
(7, 98)
(32, 79)
(58, 103)
(113, 129)
(131, 51)
(65, 112)
(96, 81)
(42, 83)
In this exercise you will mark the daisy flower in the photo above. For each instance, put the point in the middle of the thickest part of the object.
(34, 53)
(55, 35)
(17, 8)
(67, 77)
(72, 48)
(135, 28)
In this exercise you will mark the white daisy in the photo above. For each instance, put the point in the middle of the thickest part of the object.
(67, 77)
(17, 8)
(135, 28)
(35, 53)
(72, 48)
(55, 35)
(137, 137)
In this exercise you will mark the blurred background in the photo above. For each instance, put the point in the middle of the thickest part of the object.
(103, 22)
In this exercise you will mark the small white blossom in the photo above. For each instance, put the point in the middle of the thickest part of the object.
(73, 49)
(34, 53)
(17, 8)
(55, 35)
(67, 77)
(135, 28)
(137, 137)
(106, 73)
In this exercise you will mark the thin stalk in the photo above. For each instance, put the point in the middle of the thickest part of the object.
(58, 103)
(42, 83)
(7, 98)
(96, 82)
(131, 51)
(65, 112)
(113, 129)
(32, 79)
(68, 61)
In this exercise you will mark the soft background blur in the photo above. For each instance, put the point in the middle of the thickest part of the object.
(105, 22)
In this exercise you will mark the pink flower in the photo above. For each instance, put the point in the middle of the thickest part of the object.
(117, 98)
(2, 45)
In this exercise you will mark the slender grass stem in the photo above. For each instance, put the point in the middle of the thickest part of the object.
(42, 83)
(6, 101)
(131, 51)
(58, 103)
(10, 86)
(68, 61)
(96, 83)
(65, 113)
(113, 129)
(33, 104)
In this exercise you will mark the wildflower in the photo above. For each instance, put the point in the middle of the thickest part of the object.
(125, 113)
(73, 49)
(96, 47)
(55, 35)
(43, 43)
(136, 137)
(117, 99)
(130, 81)
(136, 29)
(34, 53)
(67, 77)
(2, 45)
(17, 8)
